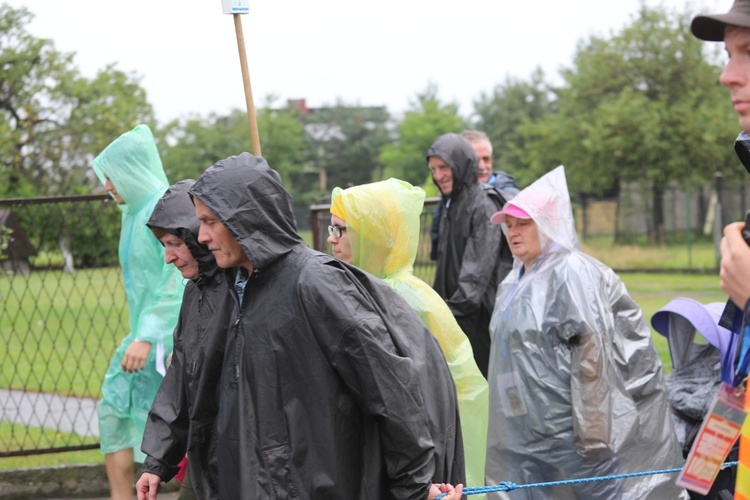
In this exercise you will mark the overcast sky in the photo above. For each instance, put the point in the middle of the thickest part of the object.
(369, 53)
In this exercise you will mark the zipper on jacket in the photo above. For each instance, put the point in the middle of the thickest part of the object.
(235, 330)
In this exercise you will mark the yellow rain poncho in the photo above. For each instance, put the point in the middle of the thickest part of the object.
(382, 221)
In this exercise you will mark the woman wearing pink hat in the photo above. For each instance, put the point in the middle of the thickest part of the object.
(576, 386)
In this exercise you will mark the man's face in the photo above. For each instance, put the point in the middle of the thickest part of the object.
(219, 240)
(342, 249)
(110, 188)
(178, 253)
(484, 153)
(736, 74)
(442, 174)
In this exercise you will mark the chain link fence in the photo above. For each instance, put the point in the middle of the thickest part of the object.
(63, 309)
(62, 314)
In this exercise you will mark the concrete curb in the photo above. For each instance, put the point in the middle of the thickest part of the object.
(61, 481)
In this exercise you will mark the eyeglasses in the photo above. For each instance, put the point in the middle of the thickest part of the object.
(336, 231)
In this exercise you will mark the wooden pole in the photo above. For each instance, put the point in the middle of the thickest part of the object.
(248, 89)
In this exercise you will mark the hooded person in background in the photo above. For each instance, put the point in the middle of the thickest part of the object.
(331, 387)
(183, 416)
(473, 256)
(576, 387)
(697, 346)
(131, 171)
(376, 228)
(502, 181)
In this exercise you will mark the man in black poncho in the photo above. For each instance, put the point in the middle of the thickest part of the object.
(473, 256)
(183, 415)
(332, 387)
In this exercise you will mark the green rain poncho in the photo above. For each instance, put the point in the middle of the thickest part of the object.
(153, 289)
(382, 221)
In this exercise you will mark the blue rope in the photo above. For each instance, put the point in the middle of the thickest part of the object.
(508, 486)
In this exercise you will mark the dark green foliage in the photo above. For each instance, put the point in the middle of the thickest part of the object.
(504, 115)
(190, 146)
(345, 142)
(53, 120)
(426, 120)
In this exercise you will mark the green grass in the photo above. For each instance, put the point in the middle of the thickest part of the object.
(51, 459)
(653, 291)
(59, 330)
(17, 437)
(699, 256)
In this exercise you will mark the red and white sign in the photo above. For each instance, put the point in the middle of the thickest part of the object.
(719, 431)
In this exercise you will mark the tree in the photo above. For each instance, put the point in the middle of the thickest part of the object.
(345, 142)
(426, 120)
(190, 146)
(644, 106)
(503, 114)
(53, 120)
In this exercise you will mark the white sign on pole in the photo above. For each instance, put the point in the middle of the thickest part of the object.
(235, 6)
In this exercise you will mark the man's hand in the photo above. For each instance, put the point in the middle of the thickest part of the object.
(148, 486)
(735, 264)
(135, 356)
(437, 489)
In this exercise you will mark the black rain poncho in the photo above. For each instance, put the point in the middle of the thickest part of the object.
(576, 387)
(473, 256)
(332, 387)
(183, 416)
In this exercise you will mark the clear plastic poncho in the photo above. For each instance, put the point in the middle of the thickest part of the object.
(153, 289)
(382, 220)
(576, 387)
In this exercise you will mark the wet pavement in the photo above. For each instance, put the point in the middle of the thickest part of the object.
(51, 411)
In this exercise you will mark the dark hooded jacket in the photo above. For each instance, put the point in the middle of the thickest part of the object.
(473, 256)
(183, 416)
(332, 386)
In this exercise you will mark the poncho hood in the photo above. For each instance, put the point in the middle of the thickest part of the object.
(263, 224)
(382, 220)
(459, 154)
(175, 214)
(547, 201)
(133, 165)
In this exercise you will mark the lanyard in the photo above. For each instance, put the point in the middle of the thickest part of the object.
(736, 362)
